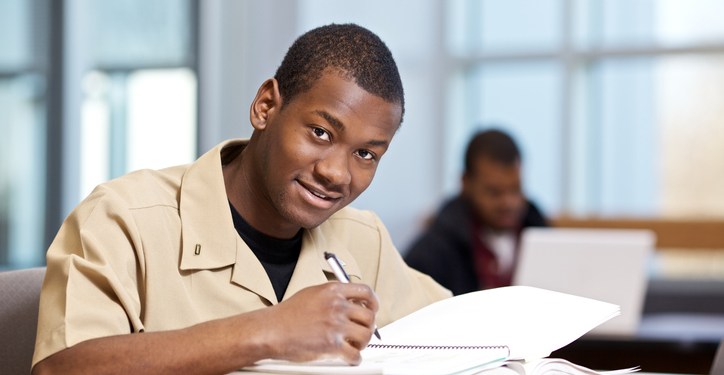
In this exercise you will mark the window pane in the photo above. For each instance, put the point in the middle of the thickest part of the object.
(408, 42)
(145, 119)
(15, 37)
(95, 132)
(649, 22)
(524, 99)
(22, 173)
(614, 169)
(161, 118)
(651, 143)
(679, 22)
(615, 22)
(506, 25)
(689, 95)
(137, 32)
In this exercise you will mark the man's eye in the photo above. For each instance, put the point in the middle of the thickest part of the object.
(366, 155)
(321, 133)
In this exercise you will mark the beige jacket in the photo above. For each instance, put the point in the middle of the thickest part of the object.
(157, 250)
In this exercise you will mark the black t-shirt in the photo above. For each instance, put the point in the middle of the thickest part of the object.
(278, 256)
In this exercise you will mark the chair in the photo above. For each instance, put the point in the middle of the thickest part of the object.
(717, 366)
(20, 294)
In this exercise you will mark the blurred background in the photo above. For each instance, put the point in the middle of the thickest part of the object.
(618, 105)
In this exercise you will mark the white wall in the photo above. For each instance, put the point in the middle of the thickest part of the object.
(241, 45)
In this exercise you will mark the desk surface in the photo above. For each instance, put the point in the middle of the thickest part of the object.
(683, 343)
(685, 327)
(653, 355)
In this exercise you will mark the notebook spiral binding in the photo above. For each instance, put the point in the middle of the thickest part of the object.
(439, 347)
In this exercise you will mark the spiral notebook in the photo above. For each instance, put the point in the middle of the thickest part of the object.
(468, 333)
(399, 360)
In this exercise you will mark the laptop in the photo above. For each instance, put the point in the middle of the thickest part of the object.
(609, 265)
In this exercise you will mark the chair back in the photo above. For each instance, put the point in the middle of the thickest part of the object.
(717, 366)
(19, 298)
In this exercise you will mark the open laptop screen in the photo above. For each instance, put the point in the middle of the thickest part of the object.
(610, 265)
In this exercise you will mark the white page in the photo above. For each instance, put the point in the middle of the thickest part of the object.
(395, 361)
(532, 322)
(429, 361)
(553, 366)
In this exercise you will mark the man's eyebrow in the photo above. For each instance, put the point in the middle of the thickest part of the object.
(331, 119)
(337, 124)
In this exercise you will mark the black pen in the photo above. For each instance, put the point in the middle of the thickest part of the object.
(341, 275)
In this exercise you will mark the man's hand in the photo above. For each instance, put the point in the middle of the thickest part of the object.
(328, 320)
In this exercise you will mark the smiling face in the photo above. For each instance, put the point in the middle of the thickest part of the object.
(313, 156)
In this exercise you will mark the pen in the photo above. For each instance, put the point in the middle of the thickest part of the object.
(341, 275)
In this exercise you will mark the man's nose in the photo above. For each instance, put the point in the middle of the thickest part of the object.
(333, 168)
(511, 199)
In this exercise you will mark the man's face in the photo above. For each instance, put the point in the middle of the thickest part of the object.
(321, 151)
(494, 189)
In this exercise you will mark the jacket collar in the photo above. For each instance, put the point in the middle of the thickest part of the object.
(208, 237)
(311, 269)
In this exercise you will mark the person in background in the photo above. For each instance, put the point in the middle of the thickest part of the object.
(209, 267)
(472, 242)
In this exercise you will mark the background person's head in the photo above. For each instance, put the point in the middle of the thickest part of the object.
(352, 51)
(491, 181)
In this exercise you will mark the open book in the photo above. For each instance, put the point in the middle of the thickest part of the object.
(544, 366)
(469, 333)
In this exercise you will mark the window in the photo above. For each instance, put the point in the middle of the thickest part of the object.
(144, 118)
(89, 90)
(616, 104)
(22, 124)
(138, 107)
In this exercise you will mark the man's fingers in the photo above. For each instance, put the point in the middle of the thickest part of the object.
(334, 319)
(362, 315)
(359, 336)
(361, 294)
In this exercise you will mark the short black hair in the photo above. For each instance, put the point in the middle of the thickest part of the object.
(494, 144)
(357, 53)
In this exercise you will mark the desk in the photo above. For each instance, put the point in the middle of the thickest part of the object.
(652, 354)
(680, 331)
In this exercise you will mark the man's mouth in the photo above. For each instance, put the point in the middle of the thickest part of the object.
(320, 194)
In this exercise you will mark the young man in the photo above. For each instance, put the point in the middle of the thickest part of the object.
(472, 243)
(209, 267)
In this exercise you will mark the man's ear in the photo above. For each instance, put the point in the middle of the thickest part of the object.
(265, 104)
